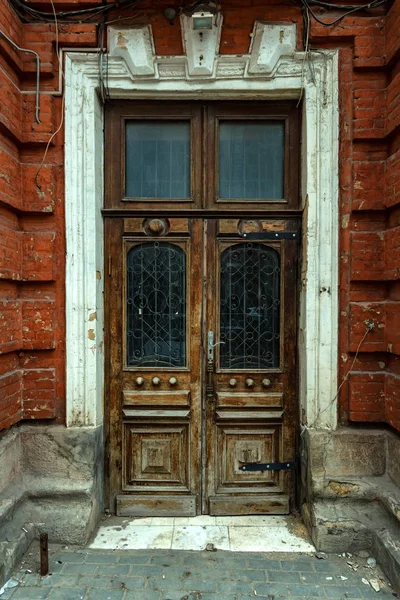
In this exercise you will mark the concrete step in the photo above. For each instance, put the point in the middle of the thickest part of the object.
(380, 489)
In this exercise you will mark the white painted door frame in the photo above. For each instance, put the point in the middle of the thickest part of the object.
(272, 70)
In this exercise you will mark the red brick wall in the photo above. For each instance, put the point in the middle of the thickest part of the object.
(32, 243)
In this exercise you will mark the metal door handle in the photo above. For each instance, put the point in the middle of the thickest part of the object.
(210, 362)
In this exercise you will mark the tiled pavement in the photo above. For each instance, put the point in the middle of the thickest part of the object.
(186, 575)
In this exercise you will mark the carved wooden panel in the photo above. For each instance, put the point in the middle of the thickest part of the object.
(156, 457)
(240, 445)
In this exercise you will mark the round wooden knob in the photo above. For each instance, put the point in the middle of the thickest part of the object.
(266, 383)
(250, 382)
(156, 381)
(156, 226)
(233, 382)
(139, 381)
(173, 381)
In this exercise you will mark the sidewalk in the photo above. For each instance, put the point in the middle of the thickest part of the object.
(81, 574)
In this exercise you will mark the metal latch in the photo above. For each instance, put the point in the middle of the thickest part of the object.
(273, 466)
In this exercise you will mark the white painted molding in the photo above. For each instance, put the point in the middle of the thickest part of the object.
(290, 77)
(270, 41)
(201, 47)
(135, 46)
(84, 235)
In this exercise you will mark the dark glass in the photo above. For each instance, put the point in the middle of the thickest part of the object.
(250, 307)
(157, 163)
(156, 305)
(251, 159)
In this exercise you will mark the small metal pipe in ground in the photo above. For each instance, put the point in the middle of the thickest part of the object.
(44, 554)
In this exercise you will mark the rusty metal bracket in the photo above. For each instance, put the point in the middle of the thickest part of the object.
(273, 466)
(270, 235)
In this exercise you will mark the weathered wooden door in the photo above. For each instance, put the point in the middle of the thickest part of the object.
(202, 375)
(250, 397)
(200, 303)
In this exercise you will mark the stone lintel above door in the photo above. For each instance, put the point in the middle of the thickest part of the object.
(269, 43)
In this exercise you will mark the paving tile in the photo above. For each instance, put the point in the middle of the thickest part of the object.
(191, 584)
(166, 559)
(306, 591)
(336, 591)
(30, 593)
(96, 581)
(114, 569)
(70, 557)
(247, 575)
(129, 583)
(267, 539)
(163, 585)
(101, 559)
(135, 559)
(58, 580)
(264, 563)
(105, 595)
(68, 594)
(271, 589)
(296, 565)
(80, 569)
(235, 587)
(142, 595)
(283, 577)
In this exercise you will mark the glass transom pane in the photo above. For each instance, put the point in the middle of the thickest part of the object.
(250, 307)
(157, 159)
(251, 159)
(156, 305)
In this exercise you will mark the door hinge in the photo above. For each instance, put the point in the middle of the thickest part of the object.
(273, 466)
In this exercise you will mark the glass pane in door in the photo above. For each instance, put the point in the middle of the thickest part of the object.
(249, 307)
(156, 305)
(251, 159)
(157, 159)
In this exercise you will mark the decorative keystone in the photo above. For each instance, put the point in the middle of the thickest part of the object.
(135, 46)
(201, 46)
(270, 41)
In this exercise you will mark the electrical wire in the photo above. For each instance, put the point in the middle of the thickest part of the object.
(369, 328)
(28, 13)
(60, 66)
(353, 9)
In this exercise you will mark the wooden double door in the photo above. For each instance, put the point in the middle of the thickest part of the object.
(200, 365)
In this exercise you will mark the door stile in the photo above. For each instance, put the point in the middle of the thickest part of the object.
(113, 355)
(209, 395)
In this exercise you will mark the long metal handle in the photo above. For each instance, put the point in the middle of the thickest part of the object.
(210, 363)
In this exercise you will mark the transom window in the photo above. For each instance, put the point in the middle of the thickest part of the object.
(203, 156)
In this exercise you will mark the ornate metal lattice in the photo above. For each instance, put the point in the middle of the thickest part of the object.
(156, 305)
(250, 307)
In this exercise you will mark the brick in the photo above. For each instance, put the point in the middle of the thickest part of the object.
(38, 256)
(367, 255)
(367, 396)
(38, 321)
(368, 185)
(38, 393)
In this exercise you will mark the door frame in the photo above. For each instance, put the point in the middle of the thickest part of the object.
(84, 155)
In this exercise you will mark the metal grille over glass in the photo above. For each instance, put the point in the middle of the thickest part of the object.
(250, 307)
(251, 159)
(156, 305)
(157, 163)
